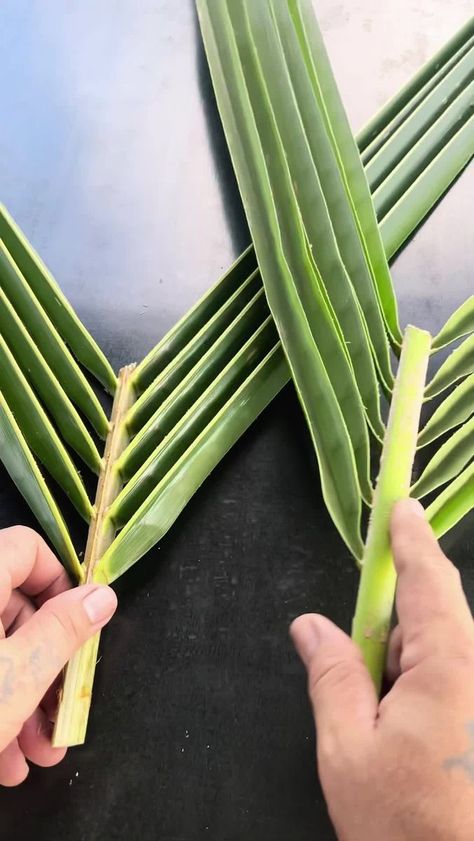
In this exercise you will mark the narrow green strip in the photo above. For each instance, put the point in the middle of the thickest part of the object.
(454, 503)
(447, 462)
(455, 409)
(21, 465)
(405, 100)
(460, 324)
(55, 303)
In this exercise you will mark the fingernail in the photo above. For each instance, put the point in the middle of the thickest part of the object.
(100, 604)
(413, 507)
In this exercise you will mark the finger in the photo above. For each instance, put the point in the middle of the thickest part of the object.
(18, 611)
(35, 741)
(49, 704)
(433, 612)
(33, 657)
(340, 688)
(27, 562)
(393, 668)
(13, 765)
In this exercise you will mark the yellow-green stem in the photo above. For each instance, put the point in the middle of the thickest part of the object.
(76, 693)
(371, 625)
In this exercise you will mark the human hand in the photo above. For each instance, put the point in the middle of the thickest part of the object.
(401, 769)
(42, 624)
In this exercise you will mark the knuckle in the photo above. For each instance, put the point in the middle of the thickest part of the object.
(58, 585)
(25, 534)
(67, 624)
(25, 540)
(452, 671)
(23, 531)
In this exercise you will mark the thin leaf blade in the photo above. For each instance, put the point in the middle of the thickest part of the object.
(169, 445)
(55, 303)
(379, 129)
(339, 480)
(454, 503)
(339, 130)
(447, 462)
(404, 217)
(459, 324)
(456, 408)
(204, 374)
(326, 213)
(190, 354)
(52, 346)
(20, 464)
(46, 385)
(419, 156)
(160, 510)
(192, 322)
(39, 433)
(319, 195)
(422, 118)
(459, 364)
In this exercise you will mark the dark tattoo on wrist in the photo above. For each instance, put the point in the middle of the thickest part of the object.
(7, 676)
(464, 761)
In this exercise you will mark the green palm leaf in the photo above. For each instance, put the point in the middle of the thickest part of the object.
(319, 191)
(170, 445)
(191, 323)
(459, 364)
(457, 407)
(428, 188)
(161, 508)
(205, 373)
(456, 82)
(420, 155)
(24, 471)
(45, 334)
(453, 503)
(291, 279)
(46, 385)
(169, 377)
(381, 128)
(330, 223)
(54, 302)
(447, 462)
(326, 278)
(59, 405)
(358, 194)
(39, 432)
(458, 325)
(267, 62)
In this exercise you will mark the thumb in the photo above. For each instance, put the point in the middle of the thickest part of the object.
(340, 688)
(35, 654)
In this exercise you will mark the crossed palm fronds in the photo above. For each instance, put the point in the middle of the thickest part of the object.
(323, 263)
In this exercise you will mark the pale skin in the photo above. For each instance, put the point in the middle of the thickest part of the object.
(401, 769)
(42, 623)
